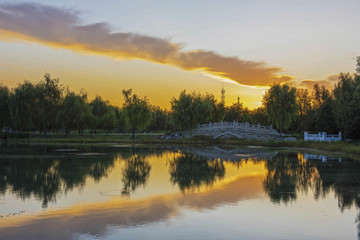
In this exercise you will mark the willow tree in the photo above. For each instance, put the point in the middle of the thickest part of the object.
(24, 106)
(136, 111)
(347, 107)
(280, 105)
(190, 109)
(218, 110)
(75, 113)
(100, 108)
(49, 96)
(305, 114)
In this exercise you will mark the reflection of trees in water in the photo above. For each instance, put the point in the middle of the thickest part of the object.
(45, 178)
(30, 177)
(135, 173)
(343, 178)
(189, 171)
(285, 175)
(289, 173)
(74, 171)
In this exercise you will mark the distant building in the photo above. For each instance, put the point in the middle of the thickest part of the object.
(223, 96)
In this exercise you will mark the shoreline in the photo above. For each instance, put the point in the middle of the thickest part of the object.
(351, 149)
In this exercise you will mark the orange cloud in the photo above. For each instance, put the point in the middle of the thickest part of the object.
(328, 83)
(59, 27)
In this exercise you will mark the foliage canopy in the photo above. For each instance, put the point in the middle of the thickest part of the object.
(280, 104)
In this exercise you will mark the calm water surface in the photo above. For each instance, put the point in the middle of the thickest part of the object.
(138, 192)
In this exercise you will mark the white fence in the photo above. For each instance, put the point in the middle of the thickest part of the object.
(322, 137)
(236, 126)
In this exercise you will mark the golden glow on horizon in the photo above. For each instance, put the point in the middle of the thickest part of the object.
(97, 39)
(225, 54)
(115, 98)
(11, 36)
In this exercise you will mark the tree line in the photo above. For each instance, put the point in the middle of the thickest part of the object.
(322, 109)
(47, 106)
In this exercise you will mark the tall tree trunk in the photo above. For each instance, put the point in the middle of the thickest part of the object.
(133, 133)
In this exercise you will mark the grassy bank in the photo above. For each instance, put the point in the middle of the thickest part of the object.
(352, 148)
(349, 148)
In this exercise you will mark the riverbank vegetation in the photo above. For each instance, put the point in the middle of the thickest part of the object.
(351, 149)
(47, 107)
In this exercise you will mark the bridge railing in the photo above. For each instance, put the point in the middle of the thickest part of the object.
(236, 126)
(322, 136)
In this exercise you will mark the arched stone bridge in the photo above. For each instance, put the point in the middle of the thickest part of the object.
(232, 129)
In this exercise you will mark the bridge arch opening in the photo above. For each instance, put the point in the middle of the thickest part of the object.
(229, 134)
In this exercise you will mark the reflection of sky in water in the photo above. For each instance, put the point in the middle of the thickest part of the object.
(111, 186)
(249, 219)
(232, 206)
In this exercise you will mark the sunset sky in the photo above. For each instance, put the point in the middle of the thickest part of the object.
(159, 48)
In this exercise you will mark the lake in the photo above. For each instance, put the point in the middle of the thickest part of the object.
(109, 191)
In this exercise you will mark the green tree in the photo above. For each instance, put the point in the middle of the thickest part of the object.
(202, 108)
(218, 110)
(87, 120)
(280, 104)
(49, 98)
(120, 119)
(4, 106)
(24, 106)
(160, 119)
(99, 108)
(190, 110)
(305, 114)
(108, 120)
(74, 113)
(258, 115)
(237, 112)
(35, 106)
(323, 112)
(136, 111)
(347, 104)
